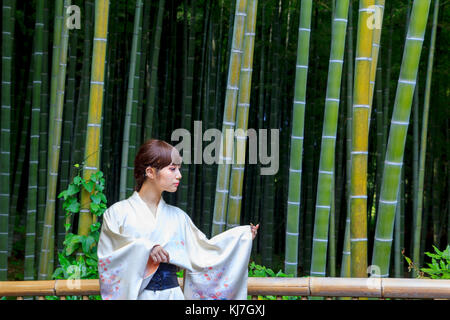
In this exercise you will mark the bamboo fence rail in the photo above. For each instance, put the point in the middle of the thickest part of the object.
(397, 288)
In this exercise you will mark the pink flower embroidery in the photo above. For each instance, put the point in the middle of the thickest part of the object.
(109, 279)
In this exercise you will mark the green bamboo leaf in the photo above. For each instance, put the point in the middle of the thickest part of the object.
(63, 194)
(59, 273)
(72, 189)
(446, 253)
(72, 205)
(259, 273)
(94, 207)
(432, 255)
(91, 262)
(434, 263)
(77, 180)
(99, 187)
(92, 255)
(96, 198)
(408, 260)
(270, 273)
(63, 261)
(71, 247)
(437, 251)
(95, 226)
(102, 197)
(87, 242)
(89, 185)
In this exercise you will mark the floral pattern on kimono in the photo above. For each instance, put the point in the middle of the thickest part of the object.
(109, 278)
(212, 285)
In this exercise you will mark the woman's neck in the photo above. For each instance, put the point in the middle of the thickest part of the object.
(150, 195)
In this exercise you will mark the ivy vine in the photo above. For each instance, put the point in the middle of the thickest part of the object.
(78, 258)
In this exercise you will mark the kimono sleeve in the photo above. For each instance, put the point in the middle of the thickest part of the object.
(122, 260)
(219, 265)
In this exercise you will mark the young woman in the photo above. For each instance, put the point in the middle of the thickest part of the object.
(143, 240)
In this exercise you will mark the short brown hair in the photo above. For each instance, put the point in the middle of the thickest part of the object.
(153, 153)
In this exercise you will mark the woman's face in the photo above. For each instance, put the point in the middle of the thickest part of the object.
(168, 178)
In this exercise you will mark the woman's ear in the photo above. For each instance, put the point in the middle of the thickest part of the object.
(150, 172)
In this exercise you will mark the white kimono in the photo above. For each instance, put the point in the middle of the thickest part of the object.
(214, 269)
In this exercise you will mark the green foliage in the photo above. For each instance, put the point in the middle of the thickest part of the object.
(439, 268)
(255, 270)
(78, 259)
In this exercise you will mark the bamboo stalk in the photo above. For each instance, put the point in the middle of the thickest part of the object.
(151, 100)
(397, 135)
(223, 174)
(325, 184)
(47, 244)
(243, 106)
(272, 107)
(377, 26)
(345, 264)
(19, 166)
(308, 286)
(5, 155)
(92, 142)
(423, 140)
(67, 139)
(129, 141)
(43, 134)
(297, 133)
(83, 96)
(360, 134)
(189, 99)
(209, 119)
(188, 61)
(34, 144)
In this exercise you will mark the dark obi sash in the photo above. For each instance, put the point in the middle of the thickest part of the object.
(164, 278)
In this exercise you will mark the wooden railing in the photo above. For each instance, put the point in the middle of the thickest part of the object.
(381, 288)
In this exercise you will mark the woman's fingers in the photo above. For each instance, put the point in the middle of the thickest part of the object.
(164, 255)
(254, 229)
(155, 258)
(167, 256)
(160, 255)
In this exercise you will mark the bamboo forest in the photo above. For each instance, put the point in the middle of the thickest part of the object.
(347, 103)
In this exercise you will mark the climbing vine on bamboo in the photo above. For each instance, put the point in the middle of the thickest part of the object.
(74, 265)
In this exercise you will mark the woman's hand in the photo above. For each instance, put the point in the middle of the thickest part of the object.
(254, 230)
(158, 254)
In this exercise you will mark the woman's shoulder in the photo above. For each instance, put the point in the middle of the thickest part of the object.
(176, 210)
(118, 208)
